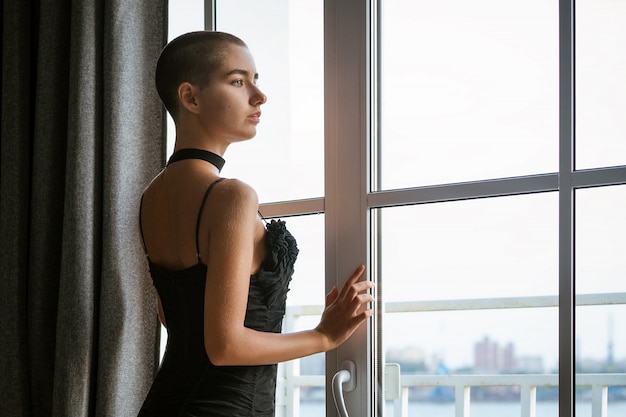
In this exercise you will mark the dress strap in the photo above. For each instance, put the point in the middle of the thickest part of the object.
(206, 194)
(143, 239)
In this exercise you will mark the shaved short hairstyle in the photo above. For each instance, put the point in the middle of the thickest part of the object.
(191, 58)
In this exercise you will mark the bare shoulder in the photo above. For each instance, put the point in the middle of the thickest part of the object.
(234, 189)
(235, 197)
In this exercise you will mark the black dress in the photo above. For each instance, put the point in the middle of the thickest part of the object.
(187, 383)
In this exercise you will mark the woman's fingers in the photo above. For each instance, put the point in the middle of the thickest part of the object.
(353, 284)
(347, 308)
(364, 298)
(356, 275)
(362, 286)
(362, 316)
(361, 301)
(352, 292)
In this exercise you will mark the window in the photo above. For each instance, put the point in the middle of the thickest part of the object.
(449, 146)
(467, 91)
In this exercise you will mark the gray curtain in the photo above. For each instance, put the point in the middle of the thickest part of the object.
(82, 134)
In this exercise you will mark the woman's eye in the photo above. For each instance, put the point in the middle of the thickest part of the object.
(238, 83)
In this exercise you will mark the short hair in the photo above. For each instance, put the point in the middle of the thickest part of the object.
(192, 58)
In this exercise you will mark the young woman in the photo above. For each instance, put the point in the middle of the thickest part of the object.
(221, 272)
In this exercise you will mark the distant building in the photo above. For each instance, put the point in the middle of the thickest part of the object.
(489, 356)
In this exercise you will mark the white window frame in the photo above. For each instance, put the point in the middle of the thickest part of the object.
(351, 113)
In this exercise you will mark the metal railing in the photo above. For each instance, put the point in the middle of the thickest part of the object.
(290, 381)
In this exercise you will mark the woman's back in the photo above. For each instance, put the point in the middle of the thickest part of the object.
(170, 209)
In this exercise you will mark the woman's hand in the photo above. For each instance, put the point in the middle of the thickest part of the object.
(345, 310)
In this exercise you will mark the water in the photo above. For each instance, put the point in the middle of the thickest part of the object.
(477, 409)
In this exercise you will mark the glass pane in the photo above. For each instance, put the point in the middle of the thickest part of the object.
(473, 341)
(600, 349)
(600, 342)
(469, 91)
(495, 247)
(601, 240)
(307, 285)
(183, 16)
(601, 272)
(285, 160)
(446, 271)
(600, 83)
(305, 289)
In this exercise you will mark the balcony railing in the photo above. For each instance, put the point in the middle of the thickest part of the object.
(528, 384)
(290, 381)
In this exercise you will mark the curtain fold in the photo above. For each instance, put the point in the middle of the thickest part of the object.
(82, 134)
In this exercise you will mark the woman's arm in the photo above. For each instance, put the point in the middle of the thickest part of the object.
(232, 232)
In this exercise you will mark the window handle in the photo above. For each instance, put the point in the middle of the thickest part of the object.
(345, 376)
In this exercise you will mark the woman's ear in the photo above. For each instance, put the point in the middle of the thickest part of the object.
(187, 97)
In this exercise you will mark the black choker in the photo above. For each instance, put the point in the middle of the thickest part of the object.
(192, 153)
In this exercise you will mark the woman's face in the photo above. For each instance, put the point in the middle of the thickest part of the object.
(230, 104)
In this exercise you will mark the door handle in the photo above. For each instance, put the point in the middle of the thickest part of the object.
(347, 375)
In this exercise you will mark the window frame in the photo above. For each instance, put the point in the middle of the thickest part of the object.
(351, 112)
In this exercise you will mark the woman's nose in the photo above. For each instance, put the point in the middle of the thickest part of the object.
(258, 97)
